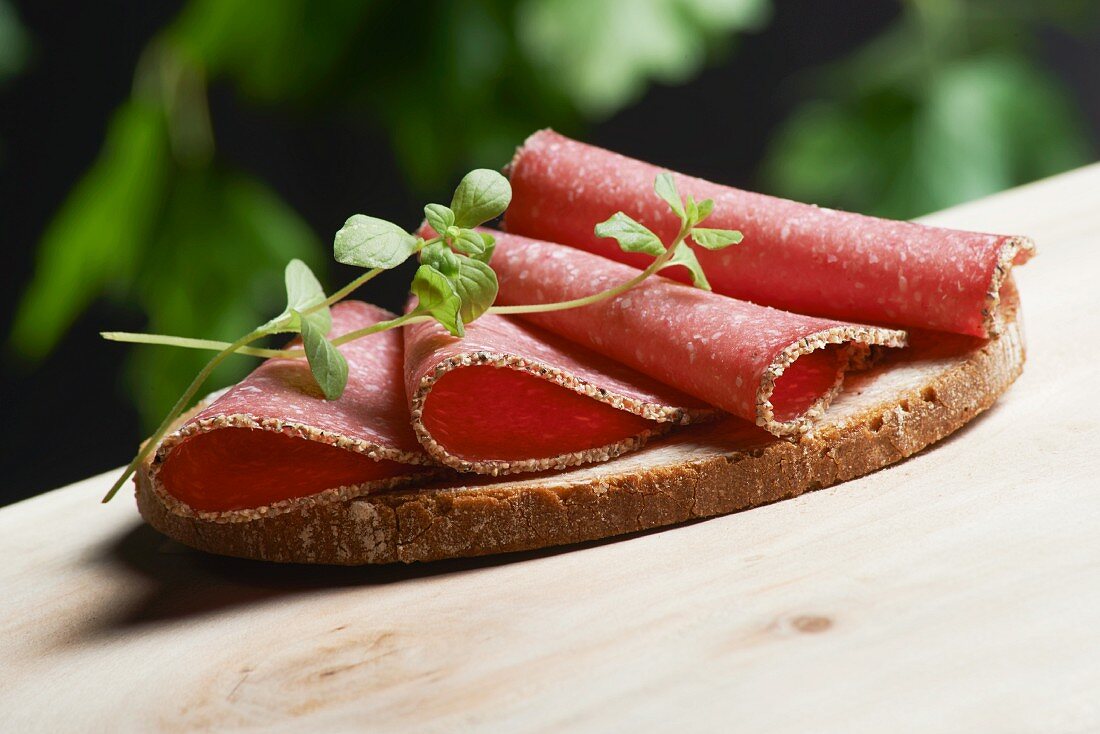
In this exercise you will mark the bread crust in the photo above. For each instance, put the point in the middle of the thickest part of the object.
(909, 401)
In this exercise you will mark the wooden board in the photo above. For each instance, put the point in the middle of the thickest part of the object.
(956, 591)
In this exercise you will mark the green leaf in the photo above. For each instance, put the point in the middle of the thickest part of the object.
(715, 239)
(303, 291)
(97, 240)
(14, 41)
(665, 187)
(632, 236)
(439, 217)
(489, 244)
(696, 212)
(601, 55)
(369, 242)
(440, 257)
(469, 242)
(481, 195)
(476, 285)
(329, 367)
(705, 207)
(280, 54)
(471, 280)
(685, 257)
(691, 209)
(437, 298)
(894, 131)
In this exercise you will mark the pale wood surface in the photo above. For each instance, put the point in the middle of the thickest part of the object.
(956, 591)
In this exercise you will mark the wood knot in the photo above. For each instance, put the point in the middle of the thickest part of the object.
(811, 624)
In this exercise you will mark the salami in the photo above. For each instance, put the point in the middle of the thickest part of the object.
(508, 397)
(795, 256)
(272, 441)
(774, 368)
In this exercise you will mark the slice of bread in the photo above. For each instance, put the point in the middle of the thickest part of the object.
(912, 398)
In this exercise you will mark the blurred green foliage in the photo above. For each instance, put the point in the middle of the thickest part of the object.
(947, 106)
(604, 53)
(160, 223)
(14, 47)
(925, 116)
(14, 43)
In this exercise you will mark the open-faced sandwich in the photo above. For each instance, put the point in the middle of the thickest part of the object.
(635, 349)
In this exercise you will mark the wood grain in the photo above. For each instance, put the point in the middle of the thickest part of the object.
(956, 591)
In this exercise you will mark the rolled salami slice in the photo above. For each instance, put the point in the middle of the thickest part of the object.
(774, 368)
(798, 257)
(508, 397)
(272, 443)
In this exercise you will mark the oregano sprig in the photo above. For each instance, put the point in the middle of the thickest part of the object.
(633, 236)
(454, 284)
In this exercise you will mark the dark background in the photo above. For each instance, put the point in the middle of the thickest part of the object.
(70, 416)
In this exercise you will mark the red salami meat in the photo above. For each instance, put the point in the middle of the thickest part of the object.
(794, 256)
(272, 441)
(774, 368)
(509, 397)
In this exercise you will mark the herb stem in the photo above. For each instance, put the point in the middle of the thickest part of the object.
(190, 343)
(412, 317)
(654, 266)
(210, 344)
(345, 291)
(181, 404)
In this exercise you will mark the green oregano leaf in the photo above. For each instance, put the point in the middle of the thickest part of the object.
(318, 321)
(715, 239)
(440, 257)
(488, 244)
(327, 364)
(438, 299)
(476, 286)
(303, 291)
(685, 257)
(468, 242)
(439, 217)
(369, 242)
(481, 195)
(705, 207)
(632, 236)
(691, 209)
(302, 287)
(665, 187)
